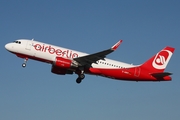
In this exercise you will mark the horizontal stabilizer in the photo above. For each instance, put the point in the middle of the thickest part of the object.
(161, 74)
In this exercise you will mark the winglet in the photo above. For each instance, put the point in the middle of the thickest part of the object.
(114, 47)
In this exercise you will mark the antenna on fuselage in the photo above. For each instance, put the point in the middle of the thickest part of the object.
(33, 39)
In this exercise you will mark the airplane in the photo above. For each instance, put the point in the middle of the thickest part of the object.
(66, 61)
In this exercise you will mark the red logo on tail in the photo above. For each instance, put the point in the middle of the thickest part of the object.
(161, 59)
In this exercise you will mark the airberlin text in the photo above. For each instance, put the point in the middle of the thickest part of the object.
(58, 52)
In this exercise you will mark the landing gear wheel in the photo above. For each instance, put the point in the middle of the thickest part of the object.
(78, 80)
(82, 76)
(24, 65)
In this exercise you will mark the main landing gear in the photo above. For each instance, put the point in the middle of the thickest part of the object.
(81, 76)
(25, 61)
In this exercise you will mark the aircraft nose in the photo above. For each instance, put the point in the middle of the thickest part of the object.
(8, 46)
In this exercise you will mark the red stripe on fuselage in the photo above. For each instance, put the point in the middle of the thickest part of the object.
(126, 74)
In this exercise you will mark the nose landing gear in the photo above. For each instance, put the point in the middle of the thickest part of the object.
(25, 61)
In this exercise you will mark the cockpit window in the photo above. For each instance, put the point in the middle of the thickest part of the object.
(18, 42)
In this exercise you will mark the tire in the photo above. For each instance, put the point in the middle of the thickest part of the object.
(82, 76)
(78, 80)
(24, 65)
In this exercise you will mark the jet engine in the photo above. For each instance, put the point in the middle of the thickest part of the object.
(65, 63)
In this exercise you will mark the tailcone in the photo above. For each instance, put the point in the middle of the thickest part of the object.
(166, 78)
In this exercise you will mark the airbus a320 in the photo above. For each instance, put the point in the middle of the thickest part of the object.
(66, 61)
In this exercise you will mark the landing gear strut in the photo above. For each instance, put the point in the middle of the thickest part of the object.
(25, 61)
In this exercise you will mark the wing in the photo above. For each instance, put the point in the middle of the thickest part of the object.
(92, 58)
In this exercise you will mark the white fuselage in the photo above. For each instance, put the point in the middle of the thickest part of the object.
(47, 52)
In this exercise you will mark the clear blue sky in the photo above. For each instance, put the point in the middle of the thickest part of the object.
(34, 93)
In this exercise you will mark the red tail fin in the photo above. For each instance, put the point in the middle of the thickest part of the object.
(159, 61)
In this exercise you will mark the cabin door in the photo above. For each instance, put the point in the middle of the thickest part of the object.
(137, 71)
(28, 45)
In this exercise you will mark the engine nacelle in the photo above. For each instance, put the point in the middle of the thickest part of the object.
(65, 63)
(59, 71)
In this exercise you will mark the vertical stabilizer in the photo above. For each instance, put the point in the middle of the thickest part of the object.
(159, 61)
